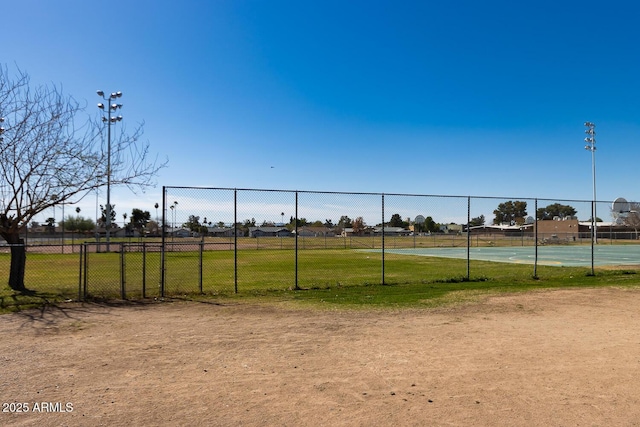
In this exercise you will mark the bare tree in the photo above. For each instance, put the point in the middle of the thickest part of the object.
(358, 226)
(631, 218)
(52, 152)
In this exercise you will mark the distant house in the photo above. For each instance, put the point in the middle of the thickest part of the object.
(451, 228)
(392, 231)
(310, 231)
(181, 232)
(269, 232)
(102, 232)
(222, 232)
(348, 231)
(125, 232)
(501, 229)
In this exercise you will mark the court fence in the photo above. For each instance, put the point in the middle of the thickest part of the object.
(227, 240)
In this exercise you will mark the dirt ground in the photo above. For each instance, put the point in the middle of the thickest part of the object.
(562, 358)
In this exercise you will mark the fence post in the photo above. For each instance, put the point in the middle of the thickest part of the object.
(594, 236)
(468, 238)
(80, 275)
(235, 240)
(296, 250)
(535, 237)
(162, 248)
(382, 242)
(86, 271)
(144, 269)
(200, 272)
(123, 292)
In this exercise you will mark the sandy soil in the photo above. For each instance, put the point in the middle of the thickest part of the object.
(562, 358)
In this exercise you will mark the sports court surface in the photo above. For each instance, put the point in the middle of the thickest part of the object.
(569, 256)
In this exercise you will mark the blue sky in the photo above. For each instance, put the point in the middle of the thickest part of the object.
(449, 97)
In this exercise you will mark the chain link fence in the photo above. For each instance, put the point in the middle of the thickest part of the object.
(223, 241)
(119, 270)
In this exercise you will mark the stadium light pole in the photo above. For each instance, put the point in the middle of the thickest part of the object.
(591, 146)
(109, 119)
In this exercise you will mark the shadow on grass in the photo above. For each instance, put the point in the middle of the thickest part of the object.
(18, 301)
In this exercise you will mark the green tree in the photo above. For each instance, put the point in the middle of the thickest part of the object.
(51, 224)
(103, 215)
(246, 224)
(345, 222)
(139, 219)
(396, 221)
(430, 225)
(301, 222)
(554, 210)
(193, 223)
(510, 212)
(79, 224)
(477, 221)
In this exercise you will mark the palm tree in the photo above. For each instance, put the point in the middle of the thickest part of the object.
(175, 213)
(77, 225)
(172, 207)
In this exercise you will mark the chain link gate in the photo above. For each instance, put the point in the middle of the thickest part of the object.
(119, 270)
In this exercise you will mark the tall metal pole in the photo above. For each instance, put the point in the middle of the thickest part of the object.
(108, 211)
(591, 146)
(109, 119)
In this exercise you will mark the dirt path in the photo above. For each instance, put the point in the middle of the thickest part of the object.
(568, 357)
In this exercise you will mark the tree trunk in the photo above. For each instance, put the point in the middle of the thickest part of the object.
(18, 262)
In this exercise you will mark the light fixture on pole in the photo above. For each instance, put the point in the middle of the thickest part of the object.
(591, 146)
(109, 119)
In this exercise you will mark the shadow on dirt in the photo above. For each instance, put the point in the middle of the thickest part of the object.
(48, 310)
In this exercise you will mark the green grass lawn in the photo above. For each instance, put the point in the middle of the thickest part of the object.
(325, 278)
